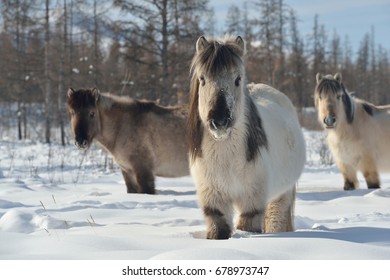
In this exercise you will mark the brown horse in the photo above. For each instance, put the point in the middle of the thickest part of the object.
(145, 140)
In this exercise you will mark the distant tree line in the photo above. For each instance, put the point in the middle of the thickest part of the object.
(143, 49)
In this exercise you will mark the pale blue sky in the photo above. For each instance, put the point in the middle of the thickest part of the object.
(348, 17)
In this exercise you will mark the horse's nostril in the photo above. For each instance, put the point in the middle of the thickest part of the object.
(220, 123)
(213, 124)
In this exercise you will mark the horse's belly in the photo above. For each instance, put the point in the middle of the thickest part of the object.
(354, 153)
(286, 154)
(383, 160)
(174, 170)
(243, 179)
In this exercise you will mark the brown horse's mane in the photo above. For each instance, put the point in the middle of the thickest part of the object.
(83, 98)
(110, 101)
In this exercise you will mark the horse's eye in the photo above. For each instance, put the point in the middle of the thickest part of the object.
(237, 81)
(202, 80)
(338, 97)
(91, 115)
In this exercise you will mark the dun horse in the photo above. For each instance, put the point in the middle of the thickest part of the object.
(145, 140)
(246, 152)
(358, 132)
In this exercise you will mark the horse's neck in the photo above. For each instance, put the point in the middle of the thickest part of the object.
(108, 127)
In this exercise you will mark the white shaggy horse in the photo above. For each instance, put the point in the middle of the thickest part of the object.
(358, 132)
(246, 152)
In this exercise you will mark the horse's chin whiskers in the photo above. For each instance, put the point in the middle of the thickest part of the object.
(83, 146)
(220, 134)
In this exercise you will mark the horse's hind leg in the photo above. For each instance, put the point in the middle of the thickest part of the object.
(372, 179)
(349, 173)
(279, 214)
(251, 209)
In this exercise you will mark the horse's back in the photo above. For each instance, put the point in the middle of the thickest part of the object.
(265, 95)
(286, 148)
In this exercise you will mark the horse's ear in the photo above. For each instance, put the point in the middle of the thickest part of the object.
(319, 78)
(96, 94)
(337, 77)
(201, 43)
(241, 44)
(70, 92)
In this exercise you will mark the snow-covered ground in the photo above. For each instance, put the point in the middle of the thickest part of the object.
(58, 203)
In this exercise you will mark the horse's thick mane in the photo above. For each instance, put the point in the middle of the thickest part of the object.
(256, 137)
(194, 126)
(110, 101)
(85, 98)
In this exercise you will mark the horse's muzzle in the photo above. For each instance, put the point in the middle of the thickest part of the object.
(82, 144)
(330, 121)
(220, 129)
(223, 123)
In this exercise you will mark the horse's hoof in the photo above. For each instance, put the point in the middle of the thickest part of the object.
(219, 234)
(349, 186)
(373, 186)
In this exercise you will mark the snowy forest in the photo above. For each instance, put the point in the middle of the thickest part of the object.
(143, 49)
(61, 203)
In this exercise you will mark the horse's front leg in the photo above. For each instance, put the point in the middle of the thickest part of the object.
(131, 184)
(143, 174)
(370, 172)
(218, 213)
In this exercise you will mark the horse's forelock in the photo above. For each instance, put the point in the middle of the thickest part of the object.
(217, 57)
(81, 98)
(328, 86)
